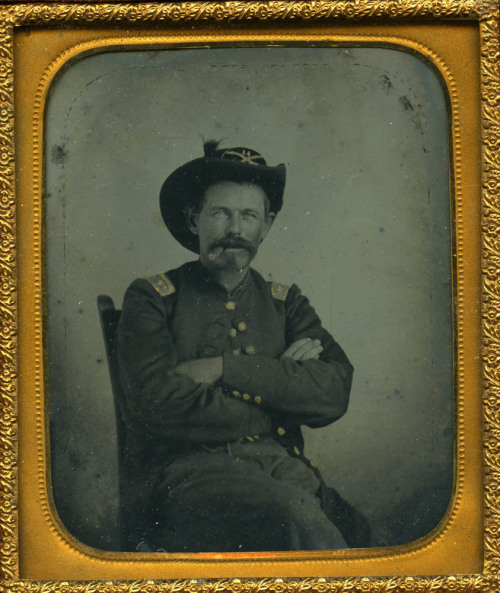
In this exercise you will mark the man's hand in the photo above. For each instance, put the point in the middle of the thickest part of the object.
(304, 349)
(201, 370)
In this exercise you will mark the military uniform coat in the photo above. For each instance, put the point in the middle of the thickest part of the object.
(261, 397)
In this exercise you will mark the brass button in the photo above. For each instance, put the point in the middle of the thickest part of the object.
(247, 397)
(242, 326)
(236, 394)
(257, 399)
(313, 464)
(280, 430)
(296, 450)
(233, 333)
(230, 305)
(237, 351)
(250, 349)
(251, 439)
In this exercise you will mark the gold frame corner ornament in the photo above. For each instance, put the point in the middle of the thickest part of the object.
(257, 13)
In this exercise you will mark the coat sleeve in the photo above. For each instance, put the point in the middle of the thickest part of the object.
(171, 406)
(312, 392)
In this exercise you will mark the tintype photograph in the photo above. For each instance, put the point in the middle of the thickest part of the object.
(249, 299)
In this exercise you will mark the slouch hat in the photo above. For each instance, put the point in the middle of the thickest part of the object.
(187, 184)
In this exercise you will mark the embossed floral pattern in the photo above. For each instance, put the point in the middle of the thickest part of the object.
(207, 12)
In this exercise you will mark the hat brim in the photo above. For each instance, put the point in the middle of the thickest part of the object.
(187, 184)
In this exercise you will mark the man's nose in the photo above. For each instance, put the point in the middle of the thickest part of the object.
(234, 225)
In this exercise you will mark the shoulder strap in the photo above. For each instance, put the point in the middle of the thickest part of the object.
(162, 284)
(279, 291)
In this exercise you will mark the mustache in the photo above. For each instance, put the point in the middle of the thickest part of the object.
(233, 243)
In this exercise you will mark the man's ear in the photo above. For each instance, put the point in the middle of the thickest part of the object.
(270, 216)
(192, 215)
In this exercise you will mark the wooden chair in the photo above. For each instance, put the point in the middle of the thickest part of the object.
(109, 317)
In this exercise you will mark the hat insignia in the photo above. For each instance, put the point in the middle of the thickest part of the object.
(245, 155)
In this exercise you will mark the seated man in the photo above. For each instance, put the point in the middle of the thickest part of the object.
(219, 369)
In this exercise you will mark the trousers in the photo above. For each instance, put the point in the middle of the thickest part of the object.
(241, 497)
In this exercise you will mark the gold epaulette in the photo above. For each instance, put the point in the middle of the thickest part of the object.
(162, 284)
(279, 291)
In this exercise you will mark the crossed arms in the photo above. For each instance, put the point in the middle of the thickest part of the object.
(209, 370)
(191, 401)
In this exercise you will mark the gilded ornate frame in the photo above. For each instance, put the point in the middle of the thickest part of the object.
(264, 18)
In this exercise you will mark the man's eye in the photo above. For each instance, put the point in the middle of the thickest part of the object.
(250, 215)
(220, 213)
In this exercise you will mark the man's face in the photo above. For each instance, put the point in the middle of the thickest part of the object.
(231, 225)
